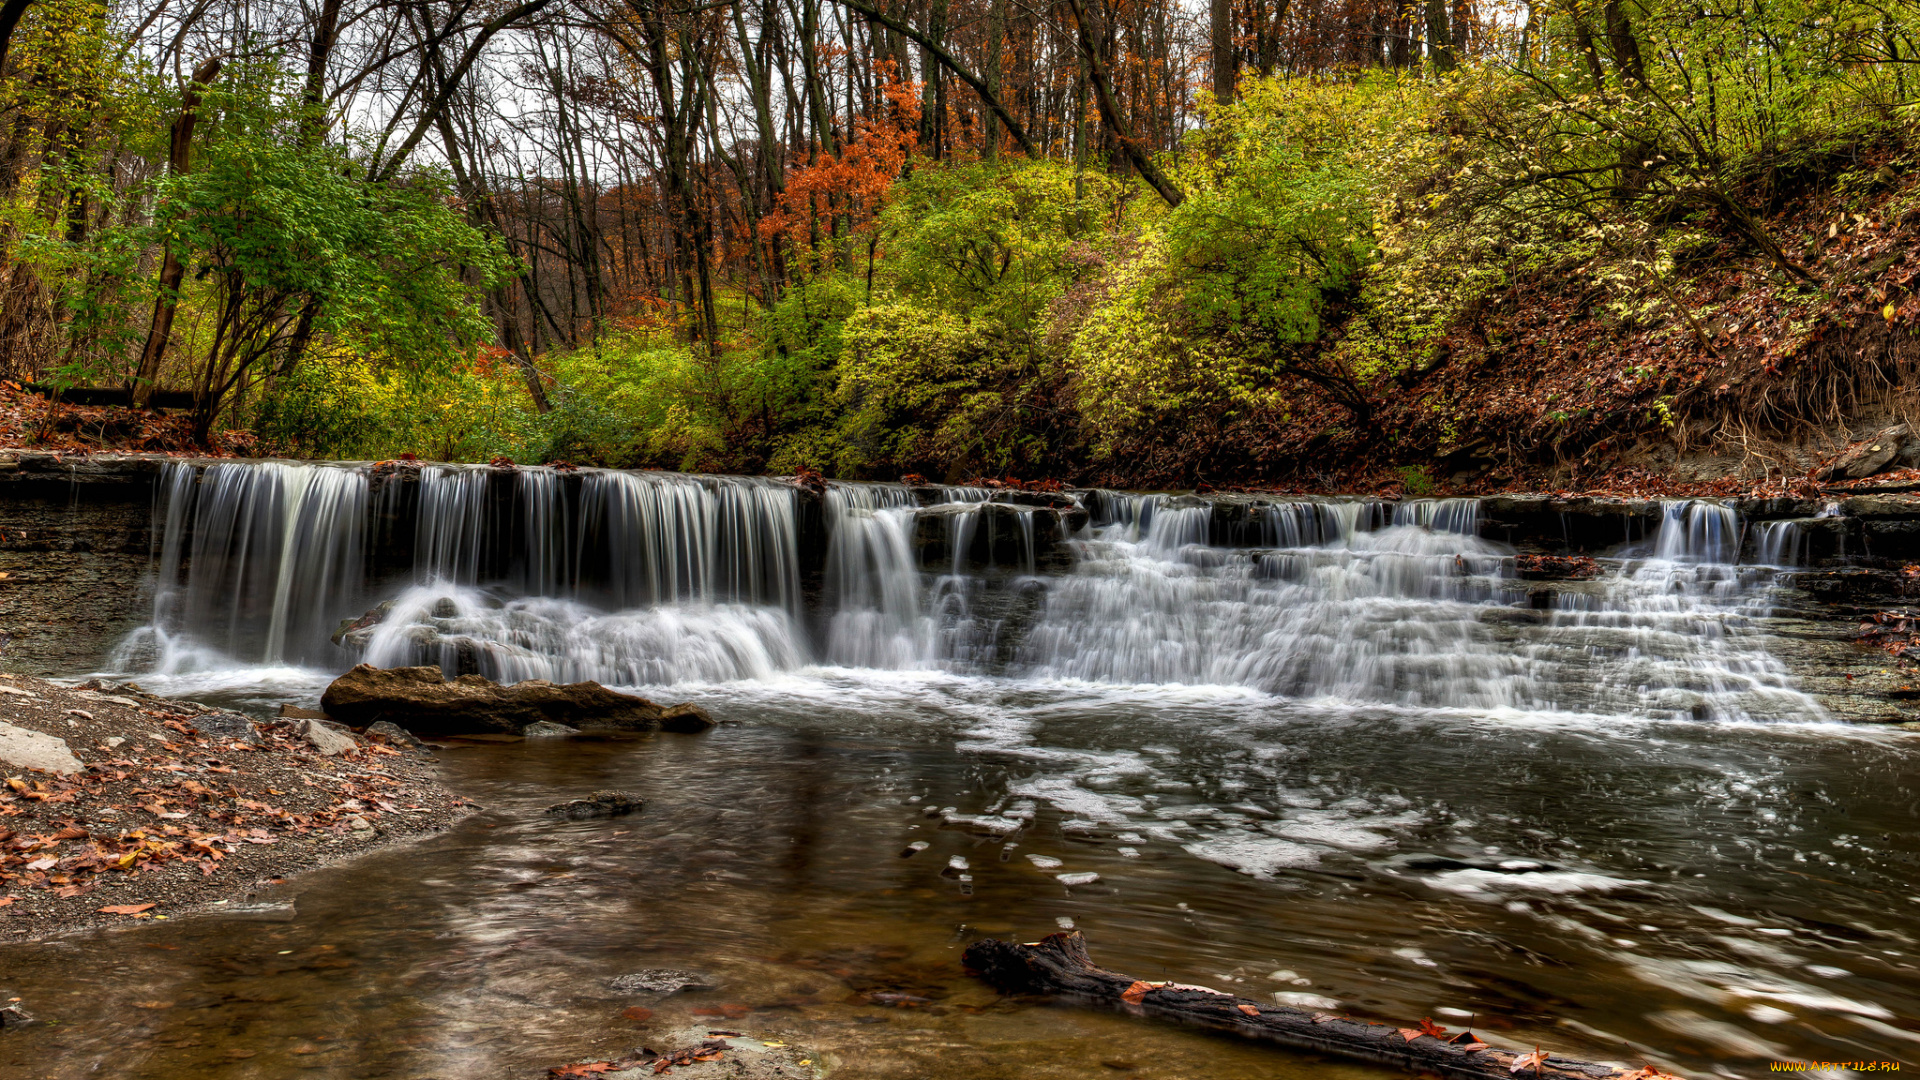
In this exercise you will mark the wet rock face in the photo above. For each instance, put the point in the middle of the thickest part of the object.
(428, 704)
(74, 548)
(977, 537)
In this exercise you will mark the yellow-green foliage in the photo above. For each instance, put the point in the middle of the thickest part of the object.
(346, 406)
(1223, 291)
(948, 360)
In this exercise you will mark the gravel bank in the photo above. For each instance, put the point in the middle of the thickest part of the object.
(167, 807)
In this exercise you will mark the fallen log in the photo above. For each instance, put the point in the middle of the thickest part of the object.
(1059, 965)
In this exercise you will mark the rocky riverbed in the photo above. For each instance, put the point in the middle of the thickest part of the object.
(120, 806)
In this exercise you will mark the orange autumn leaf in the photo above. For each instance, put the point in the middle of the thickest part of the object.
(1135, 993)
(593, 1069)
(1534, 1061)
(125, 909)
(1648, 1072)
(1249, 1010)
(1428, 1027)
(637, 1013)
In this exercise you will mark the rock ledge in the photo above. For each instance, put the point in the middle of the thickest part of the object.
(428, 704)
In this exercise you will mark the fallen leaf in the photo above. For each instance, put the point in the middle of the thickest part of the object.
(593, 1069)
(1648, 1072)
(1135, 993)
(1533, 1061)
(125, 909)
(5, 900)
(637, 1014)
(1249, 1010)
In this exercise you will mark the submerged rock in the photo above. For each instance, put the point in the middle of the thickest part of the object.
(432, 705)
(13, 1016)
(547, 729)
(355, 633)
(24, 749)
(661, 981)
(599, 804)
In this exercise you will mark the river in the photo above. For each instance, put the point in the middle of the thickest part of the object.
(1351, 762)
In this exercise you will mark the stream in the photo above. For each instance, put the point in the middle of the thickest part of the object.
(1350, 763)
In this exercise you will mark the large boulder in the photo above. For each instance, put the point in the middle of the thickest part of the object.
(428, 704)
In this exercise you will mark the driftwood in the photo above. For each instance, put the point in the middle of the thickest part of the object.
(1059, 965)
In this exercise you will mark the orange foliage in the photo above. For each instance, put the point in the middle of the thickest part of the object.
(852, 186)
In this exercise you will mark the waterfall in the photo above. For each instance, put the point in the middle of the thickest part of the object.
(873, 580)
(1401, 605)
(1391, 616)
(250, 554)
(645, 578)
(1695, 531)
(617, 577)
(1780, 543)
(665, 539)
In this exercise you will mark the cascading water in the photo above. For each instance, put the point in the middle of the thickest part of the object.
(617, 577)
(249, 552)
(1675, 635)
(873, 580)
(653, 578)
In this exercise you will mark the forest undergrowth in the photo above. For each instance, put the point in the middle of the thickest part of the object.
(1638, 246)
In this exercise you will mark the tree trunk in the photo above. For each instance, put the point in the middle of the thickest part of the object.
(172, 273)
(1059, 964)
(1439, 36)
(1090, 35)
(1226, 61)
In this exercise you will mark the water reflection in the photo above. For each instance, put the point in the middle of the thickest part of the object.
(1710, 895)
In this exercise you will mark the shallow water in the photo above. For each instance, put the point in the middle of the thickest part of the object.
(1360, 768)
(1709, 895)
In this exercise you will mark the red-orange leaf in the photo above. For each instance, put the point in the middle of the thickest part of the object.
(1533, 1061)
(1137, 991)
(1249, 1010)
(125, 909)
